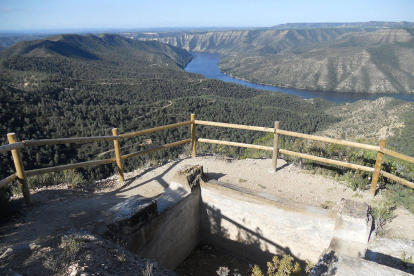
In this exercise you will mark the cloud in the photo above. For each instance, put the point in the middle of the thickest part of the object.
(2, 9)
(9, 10)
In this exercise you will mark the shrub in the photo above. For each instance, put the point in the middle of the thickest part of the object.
(278, 267)
(70, 177)
(383, 212)
(401, 196)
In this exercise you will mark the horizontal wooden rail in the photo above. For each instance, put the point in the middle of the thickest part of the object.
(155, 129)
(15, 146)
(43, 142)
(202, 140)
(398, 179)
(7, 180)
(139, 153)
(10, 147)
(398, 155)
(325, 160)
(208, 123)
(329, 140)
(70, 166)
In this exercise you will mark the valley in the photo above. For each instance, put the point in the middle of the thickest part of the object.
(359, 59)
(80, 86)
(72, 85)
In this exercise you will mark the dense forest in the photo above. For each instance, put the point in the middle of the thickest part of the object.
(76, 86)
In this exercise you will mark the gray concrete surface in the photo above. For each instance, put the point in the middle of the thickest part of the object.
(246, 223)
(170, 236)
(256, 226)
(394, 253)
(348, 266)
(352, 229)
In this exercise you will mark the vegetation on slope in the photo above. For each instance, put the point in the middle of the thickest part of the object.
(88, 85)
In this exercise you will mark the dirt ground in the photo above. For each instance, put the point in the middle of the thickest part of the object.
(58, 211)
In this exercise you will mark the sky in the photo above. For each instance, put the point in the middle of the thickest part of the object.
(134, 14)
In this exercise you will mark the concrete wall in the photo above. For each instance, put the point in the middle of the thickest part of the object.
(245, 223)
(170, 237)
(257, 226)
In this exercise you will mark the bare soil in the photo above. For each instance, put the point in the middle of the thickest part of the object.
(32, 235)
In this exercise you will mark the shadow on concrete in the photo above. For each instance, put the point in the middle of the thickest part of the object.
(159, 178)
(249, 245)
(325, 265)
(389, 261)
(215, 176)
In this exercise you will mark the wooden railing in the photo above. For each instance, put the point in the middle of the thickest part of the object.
(15, 146)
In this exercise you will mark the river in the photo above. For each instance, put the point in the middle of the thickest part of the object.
(206, 65)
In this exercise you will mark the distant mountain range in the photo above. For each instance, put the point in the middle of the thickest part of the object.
(372, 57)
(370, 24)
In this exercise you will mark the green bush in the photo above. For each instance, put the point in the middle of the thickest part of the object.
(401, 196)
(278, 267)
(70, 177)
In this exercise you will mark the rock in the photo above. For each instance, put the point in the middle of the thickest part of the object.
(19, 249)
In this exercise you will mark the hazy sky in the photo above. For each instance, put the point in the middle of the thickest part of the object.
(75, 14)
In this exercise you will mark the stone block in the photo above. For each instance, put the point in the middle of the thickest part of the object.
(129, 215)
(352, 229)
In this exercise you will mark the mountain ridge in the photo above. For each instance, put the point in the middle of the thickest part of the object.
(332, 59)
(370, 24)
(93, 48)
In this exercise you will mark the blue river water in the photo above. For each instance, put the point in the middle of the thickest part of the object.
(206, 65)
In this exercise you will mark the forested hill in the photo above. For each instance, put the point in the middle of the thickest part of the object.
(76, 86)
(8, 40)
(107, 51)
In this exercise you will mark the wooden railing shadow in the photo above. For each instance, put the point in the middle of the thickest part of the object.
(14, 146)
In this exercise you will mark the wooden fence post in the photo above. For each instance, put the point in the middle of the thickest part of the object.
(275, 146)
(193, 135)
(20, 172)
(377, 169)
(118, 156)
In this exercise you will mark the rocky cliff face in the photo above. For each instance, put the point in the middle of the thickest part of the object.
(379, 62)
(255, 40)
(337, 59)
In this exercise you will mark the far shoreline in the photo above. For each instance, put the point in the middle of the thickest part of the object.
(206, 64)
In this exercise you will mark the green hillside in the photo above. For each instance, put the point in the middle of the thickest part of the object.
(72, 86)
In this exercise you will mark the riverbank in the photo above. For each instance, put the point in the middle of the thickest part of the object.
(206, 64)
